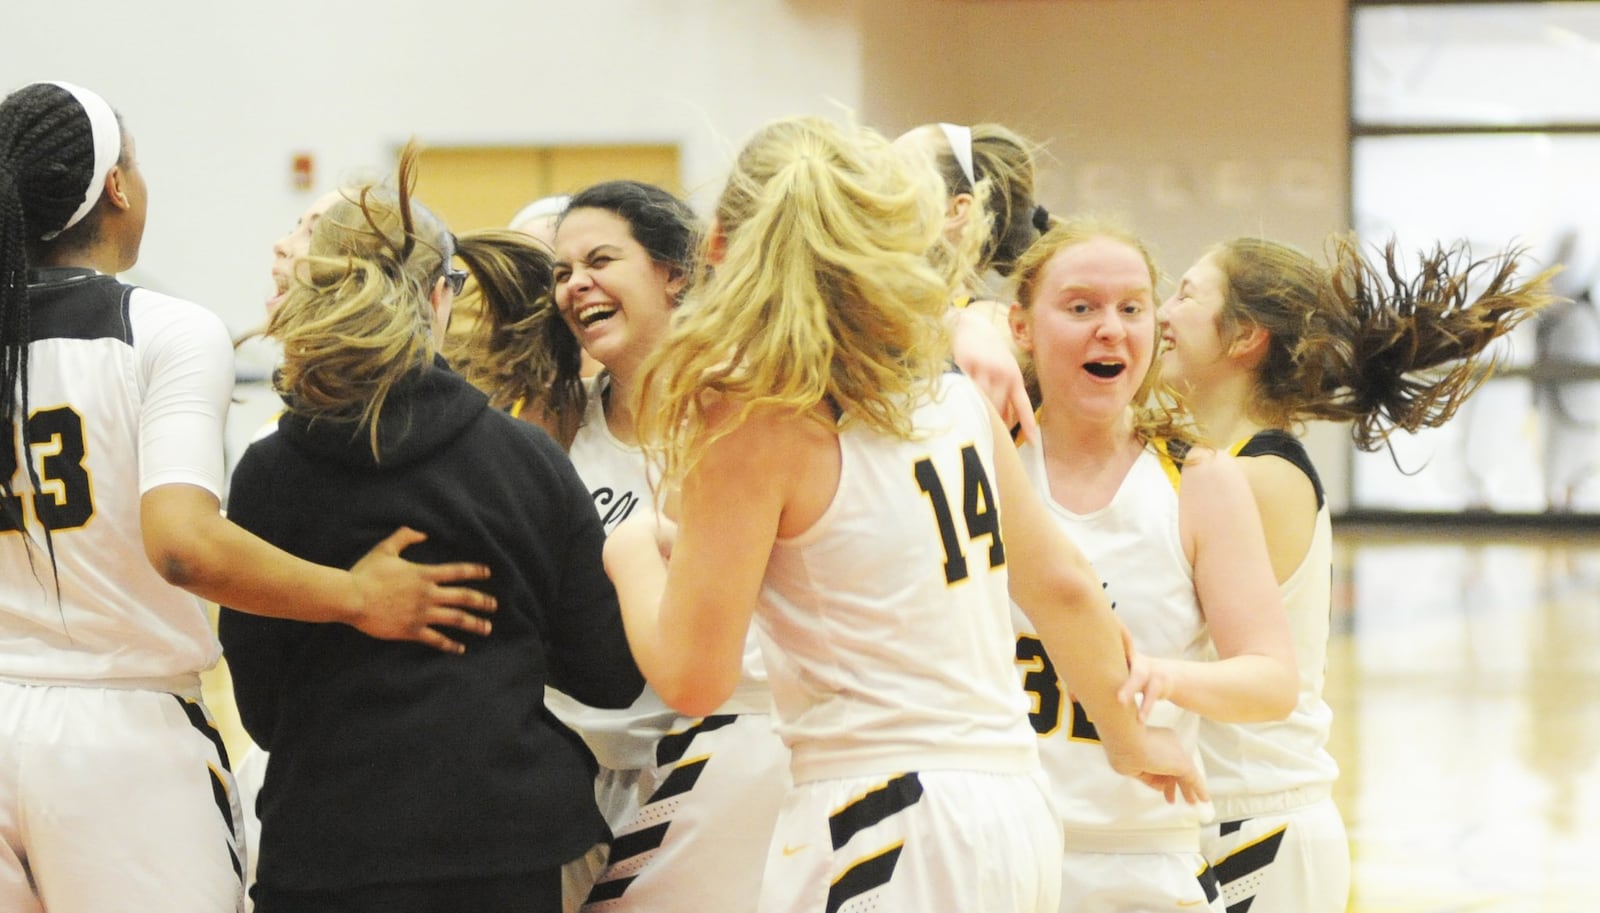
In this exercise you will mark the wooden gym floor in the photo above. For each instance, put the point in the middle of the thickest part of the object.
(1464, 676)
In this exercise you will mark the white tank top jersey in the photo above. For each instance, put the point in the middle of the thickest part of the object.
(128, 390)
(1135, 547)
(616, 473)
(1254, 768)
(618, 479)
(888, 617)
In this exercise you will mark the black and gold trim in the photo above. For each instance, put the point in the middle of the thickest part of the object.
(873, 807)
(1248, 860)
(865, 875)
(1207, 876)
(673, 746)
(625, 847)
(221, 782)
(681, 780)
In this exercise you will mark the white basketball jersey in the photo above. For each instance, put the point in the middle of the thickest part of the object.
(1253, 768)
(1135, 547)
(888, 618)
(616, 473)
(618, 478)
(128, 390)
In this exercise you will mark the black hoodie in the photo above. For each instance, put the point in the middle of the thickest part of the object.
(390, 761)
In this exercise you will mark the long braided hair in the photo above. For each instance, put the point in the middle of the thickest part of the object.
(47, 161)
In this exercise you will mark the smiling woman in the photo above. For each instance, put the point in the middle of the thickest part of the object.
(376, 431)
(624, 253)
(614, 294)
(1185, 565)
(1262, 338)
(824, 454)
(294, 245)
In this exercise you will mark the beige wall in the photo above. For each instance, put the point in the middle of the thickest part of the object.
(1194, 120)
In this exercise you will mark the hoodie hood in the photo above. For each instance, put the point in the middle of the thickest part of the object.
(426, 411)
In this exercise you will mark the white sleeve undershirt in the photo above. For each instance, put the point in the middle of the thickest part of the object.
(186, 378)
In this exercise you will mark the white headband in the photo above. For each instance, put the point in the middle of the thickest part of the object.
(107, 149)
(960, 140)
(544, 206)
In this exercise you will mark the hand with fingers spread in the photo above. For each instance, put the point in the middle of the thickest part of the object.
(402, 600)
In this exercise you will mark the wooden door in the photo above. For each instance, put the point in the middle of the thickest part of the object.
(484, 186)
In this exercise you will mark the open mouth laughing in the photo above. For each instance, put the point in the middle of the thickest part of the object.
(1105, 369)
(591, 314)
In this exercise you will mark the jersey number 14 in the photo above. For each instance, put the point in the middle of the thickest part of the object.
(979, 510)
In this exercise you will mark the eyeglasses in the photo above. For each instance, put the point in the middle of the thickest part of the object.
(457, 278)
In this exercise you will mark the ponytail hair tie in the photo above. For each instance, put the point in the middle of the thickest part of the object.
(1041, 219)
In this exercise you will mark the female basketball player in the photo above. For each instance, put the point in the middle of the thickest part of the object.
(112, 401)
(1259, 339)
(990, 219)
(990, 216)
(1173, 535)
(691, 800)
(824, 461)
(451, 785)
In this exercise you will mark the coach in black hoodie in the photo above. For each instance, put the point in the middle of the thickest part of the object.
(401, 777)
